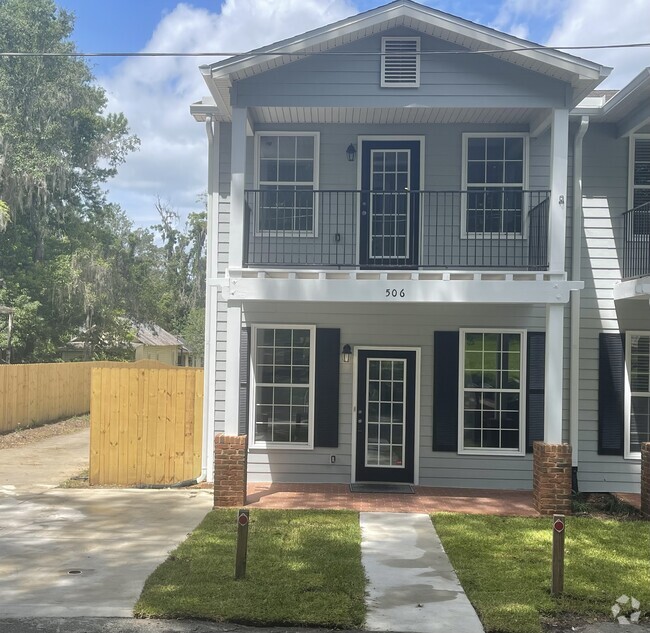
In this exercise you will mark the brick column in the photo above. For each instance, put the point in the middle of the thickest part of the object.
(552, 478)
(230, 460)
(645, 478)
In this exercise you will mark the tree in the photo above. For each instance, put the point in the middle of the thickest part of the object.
(58, 146)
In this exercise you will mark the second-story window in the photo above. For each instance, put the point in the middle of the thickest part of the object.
(494, 176)
(287, 178)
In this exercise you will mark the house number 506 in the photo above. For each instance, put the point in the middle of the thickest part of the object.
(394, 293)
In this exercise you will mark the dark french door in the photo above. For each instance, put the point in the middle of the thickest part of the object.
(389, 222)
(385, 415)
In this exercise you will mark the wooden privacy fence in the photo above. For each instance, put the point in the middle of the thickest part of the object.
(145, 425)
(40, 393)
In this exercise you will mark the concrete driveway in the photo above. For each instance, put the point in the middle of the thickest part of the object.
(80, 552)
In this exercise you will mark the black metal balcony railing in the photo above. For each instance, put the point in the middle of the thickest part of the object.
(477, 229)
(636, 242)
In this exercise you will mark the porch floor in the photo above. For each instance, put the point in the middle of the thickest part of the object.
(425, 499)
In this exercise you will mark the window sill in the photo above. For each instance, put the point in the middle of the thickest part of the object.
(491, 453)
(284, 446)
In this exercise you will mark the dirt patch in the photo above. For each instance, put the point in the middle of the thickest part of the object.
(605, 506)
(21, 437)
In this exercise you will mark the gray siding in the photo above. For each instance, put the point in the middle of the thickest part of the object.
(604, 200)
(393, 325)
(446, 81)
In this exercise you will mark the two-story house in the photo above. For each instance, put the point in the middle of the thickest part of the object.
(396, 234)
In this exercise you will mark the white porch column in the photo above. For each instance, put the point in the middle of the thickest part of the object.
(238, 166)
(233, 343)
(210, 349)
(558, 185)
(235, 260)
(553, 373)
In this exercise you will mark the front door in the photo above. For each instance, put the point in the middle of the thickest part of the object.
(389, 221)
(385, 415)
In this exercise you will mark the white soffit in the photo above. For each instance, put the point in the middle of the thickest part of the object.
(272, 115)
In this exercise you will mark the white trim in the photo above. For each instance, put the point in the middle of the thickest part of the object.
(253, 384)
(627, 454)
(522, 394)
(361, 139)
(315, 182)
(384, 55)
(355, 381)
(630, 169)
(463, 197)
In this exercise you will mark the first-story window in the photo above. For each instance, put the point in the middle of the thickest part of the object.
(283, 361)
(287, 175)
(637, 417)
(492, 397)
(494, 175)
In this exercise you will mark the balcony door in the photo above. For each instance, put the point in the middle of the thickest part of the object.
(389, 214)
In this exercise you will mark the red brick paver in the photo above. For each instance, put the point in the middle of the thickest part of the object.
(425, 499)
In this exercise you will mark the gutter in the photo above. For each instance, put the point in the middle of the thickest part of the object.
(576, 273)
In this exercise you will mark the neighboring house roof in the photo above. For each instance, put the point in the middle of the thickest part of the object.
(144, 334)
(582, 74)
(152, 334)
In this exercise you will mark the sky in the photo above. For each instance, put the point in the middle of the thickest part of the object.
(155, 94)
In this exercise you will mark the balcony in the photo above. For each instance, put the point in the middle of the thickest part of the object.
(489, 229)
(636, 243)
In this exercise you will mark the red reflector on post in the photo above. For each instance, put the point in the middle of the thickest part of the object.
(243, 519)
(558, 526)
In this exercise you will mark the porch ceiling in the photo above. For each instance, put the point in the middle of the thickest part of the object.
(393, 115)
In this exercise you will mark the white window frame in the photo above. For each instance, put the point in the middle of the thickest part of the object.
(253, 387)
(315, 182)
(514, 452)
(627, 454)
(463, 202)
(417, 52)
(630, 169)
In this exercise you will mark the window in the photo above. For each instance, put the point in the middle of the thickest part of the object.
(287, 179)
(637, 401)
(283, 379)
(492, 402)
(494, 176)
(400, 62)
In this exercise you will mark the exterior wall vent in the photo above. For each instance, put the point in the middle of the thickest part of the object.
(400, 62)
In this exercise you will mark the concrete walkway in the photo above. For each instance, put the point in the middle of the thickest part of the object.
(43, 465)
(411, 583)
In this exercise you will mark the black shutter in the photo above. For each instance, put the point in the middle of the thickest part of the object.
(244, 378)
(611, 391)
(535, 365)
(326, 397)
(445, 391)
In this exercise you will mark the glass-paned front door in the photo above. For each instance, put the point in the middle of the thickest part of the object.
(385, 415)
(389, 204)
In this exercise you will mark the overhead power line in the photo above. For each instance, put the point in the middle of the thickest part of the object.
(320, 53)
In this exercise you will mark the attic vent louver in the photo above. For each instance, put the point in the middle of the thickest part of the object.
(400, 62)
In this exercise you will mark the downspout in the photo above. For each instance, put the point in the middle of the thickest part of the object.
(208, 355)
(576, 273)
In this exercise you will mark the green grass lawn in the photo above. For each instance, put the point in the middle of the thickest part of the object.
(304, 569)
(504, 565)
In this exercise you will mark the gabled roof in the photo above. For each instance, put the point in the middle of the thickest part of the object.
(583, 75)
(152, 334)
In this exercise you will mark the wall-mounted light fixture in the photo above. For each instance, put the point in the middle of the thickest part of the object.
(346, 352)
(351, 152)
